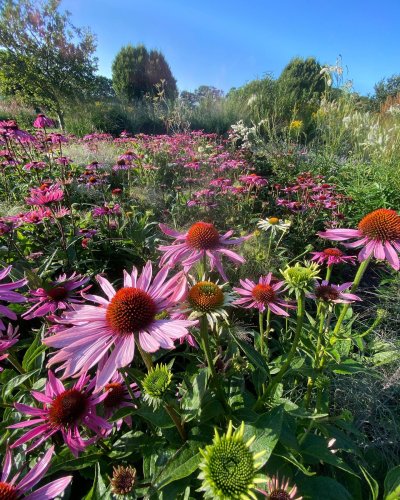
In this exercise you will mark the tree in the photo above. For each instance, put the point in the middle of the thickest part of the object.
(135, 73)
(202, 93)
(44, 60)
(302, 78)
(387, 87)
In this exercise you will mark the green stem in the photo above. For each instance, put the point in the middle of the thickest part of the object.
(16, 364)
(328, 273)
(296, 340)
(261, 325)
(321, 329)
(267, 329)
(360, 273)
(128, 387)
(145, 356)
(206, 345)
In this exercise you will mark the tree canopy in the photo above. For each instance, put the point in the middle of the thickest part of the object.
(136, 71)
(44, 60)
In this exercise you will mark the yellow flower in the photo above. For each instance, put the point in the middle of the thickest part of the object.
(296, 125)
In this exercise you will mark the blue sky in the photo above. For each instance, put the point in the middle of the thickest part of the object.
(228, 43)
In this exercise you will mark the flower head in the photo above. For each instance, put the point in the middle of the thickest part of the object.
(156, 384)
(42, 121)
(274, 224)
(279, 490)
(123, 480)
(8, 340)
(262, 295)
(65, 411)
(59, 294)
(126, 316)
(330, 256)
(300, 277)
(228, 467)
(200, 240)
(333, 293)
(118, 396)
(7, 294)
(45, 195)
(378, 234)
(16, 488)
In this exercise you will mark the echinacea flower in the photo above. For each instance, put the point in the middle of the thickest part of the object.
(262, 295)
(274, 224)
(65, 411)
(208, 299)
(16, 488)
(59, 294)
(126, 316)
(279, 490)
(6, 341)
(333, 293)
(330, 256)
(378, 234)
(201, 240)
(123, 480)
(229, 467)
(118, 396)
(42, 121)
(300, 277)
(7, 294)
(45, 195)
(156, 384)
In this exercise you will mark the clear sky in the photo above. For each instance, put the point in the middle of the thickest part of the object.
(228, 43)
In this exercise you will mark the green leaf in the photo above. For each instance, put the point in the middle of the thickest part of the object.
(253, 356)
(99, 490)
(349, 366)
(317, 488)
(392, 484)
(17, 381)
(181, 465)
(35, 349)
(62, 461)
(373, 484)
(267, 429)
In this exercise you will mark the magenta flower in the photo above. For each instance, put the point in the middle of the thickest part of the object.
(128, 315)
(65, 411)
(8, 340)
(200, 240)
(45, 195)
(35, 165)
(333, 293)
(56, 138)
(42, 121)
(15, 490)
(263, 295)
(253, 180)
(59, 294)
(118, 396)
(331, 256)
(113, 209)
(8, 295)
(10, 129)
(279, 489)
(378, 234)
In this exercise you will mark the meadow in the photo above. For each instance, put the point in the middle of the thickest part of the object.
(201, 313)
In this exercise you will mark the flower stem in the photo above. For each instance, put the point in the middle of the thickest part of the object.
(206, 345)
(296, 340)
(320, 339)
(261, 325)
(328, 273)
(360, 273)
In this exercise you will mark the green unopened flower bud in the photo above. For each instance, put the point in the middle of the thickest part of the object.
(301, 277)
(228, 467)
(156, 384)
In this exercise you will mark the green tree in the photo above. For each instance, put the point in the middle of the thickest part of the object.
(44, 60)
(135, 73)
(387, 87)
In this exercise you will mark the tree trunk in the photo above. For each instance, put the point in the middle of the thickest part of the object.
(61, 122)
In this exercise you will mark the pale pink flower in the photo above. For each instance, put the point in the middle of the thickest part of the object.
(126, 315)
(279, 489)
(378, 234)
(7, 340)
(200, 240)
(65, 411)
(16, 488)
(7, 294)
(59, 294)
(263, 295)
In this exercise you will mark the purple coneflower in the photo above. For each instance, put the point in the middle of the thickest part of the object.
(262, 295)
(7, 294)
(35, 165)
(42, 121)
(45, 195)
(200, 240)
(65, 411)
(330, 256)
(333, 293)
(378, 234)
(279, 490)
(6, 341)
(129, 314)
(16, 489)
(59, 294)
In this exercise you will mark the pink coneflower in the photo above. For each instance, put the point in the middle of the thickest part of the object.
(330, 256)
(378, 234)
(9, 128)
(36, 216)
(59, 294)
(8, 295)
(279, 490)
(35, 165)
(200, 240)
(333, 293)
(56, 138)
(128, 315)
(65, 411)
(6, 341)
(118, 396)
(253, 180)
(15, 490)
(114, 209)
(45, 195)
(42, 121)
(262, 295)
